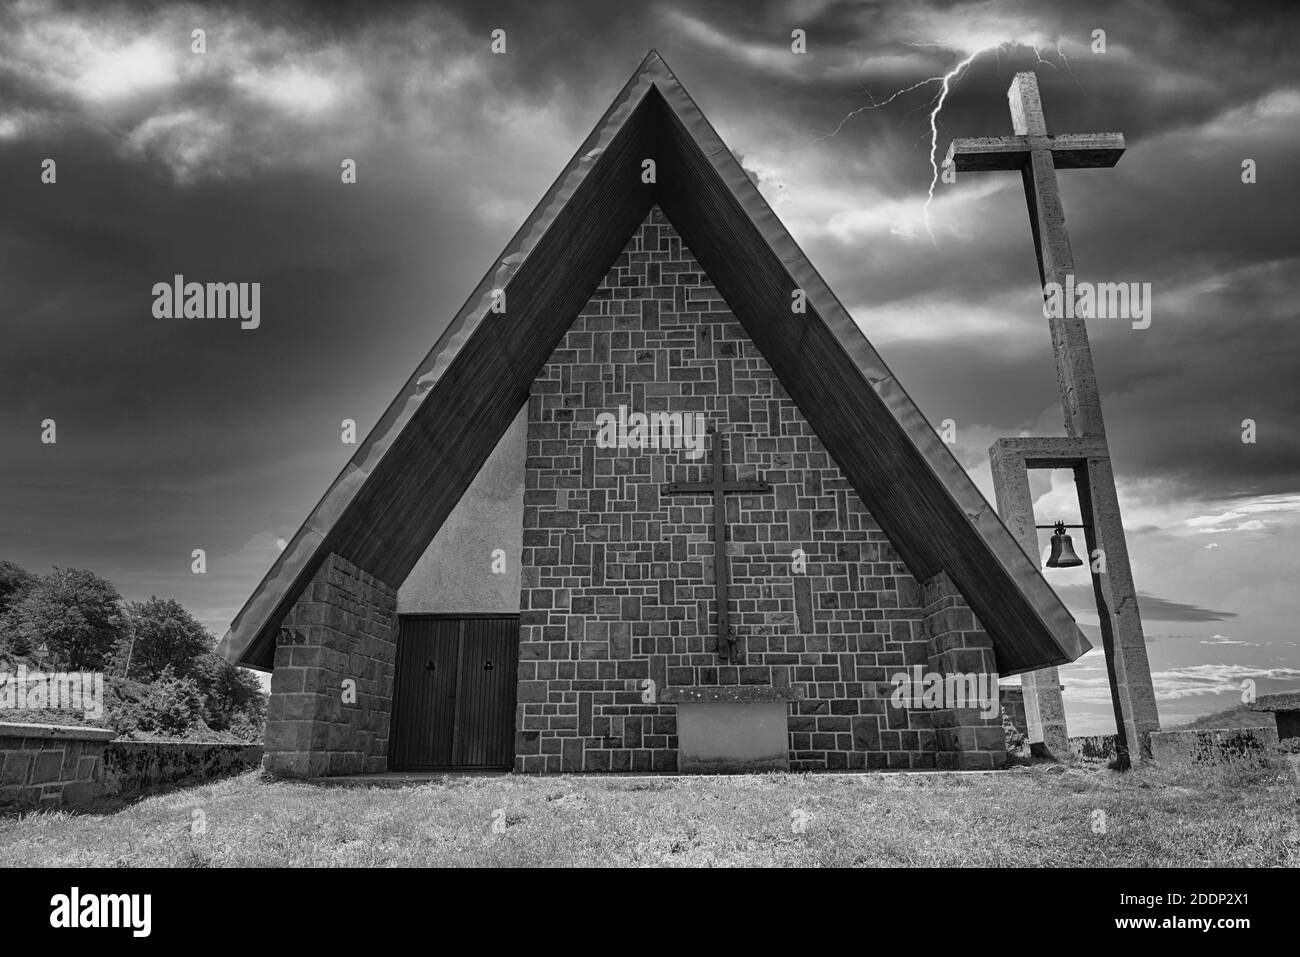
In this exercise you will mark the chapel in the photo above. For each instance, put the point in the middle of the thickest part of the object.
(491, 583)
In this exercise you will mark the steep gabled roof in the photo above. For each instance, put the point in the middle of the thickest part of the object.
(417, 462)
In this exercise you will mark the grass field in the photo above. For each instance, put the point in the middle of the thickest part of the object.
(1039, 816)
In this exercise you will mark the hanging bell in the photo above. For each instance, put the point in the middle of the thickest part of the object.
(1062, 550)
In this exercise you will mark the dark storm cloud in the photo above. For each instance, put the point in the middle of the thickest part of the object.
(175, 435)
(1194, 95)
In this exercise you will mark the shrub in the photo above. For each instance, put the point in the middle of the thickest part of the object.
(128, 717)
(245, 727)
(1018, 752)
(172, 705)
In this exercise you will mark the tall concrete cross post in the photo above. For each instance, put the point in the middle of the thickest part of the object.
(1038, 155)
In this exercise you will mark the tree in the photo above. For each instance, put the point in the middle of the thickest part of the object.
(15, 582)
(164, 634)
(74, 612)
(228, 693)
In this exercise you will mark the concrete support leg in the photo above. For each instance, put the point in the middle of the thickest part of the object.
(968, 738)
(332, 688)
(1121, 627)
(1044, 706)
(1045, 714)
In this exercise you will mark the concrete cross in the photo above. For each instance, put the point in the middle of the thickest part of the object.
(718, 488)
(1038, 155)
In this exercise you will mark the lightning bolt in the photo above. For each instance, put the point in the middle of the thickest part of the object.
(948, 77)
(873, 105)
(936, 103)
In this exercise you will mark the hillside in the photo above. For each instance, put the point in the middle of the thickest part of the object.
(1238, 717)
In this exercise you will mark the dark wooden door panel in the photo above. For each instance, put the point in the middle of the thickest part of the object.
(424, 696)
(485, 715)
(454, 693)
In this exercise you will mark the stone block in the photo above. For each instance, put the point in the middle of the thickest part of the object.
(47, 766)
(17, 767)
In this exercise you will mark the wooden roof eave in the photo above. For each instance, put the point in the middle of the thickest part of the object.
(250, 640)
(1063, 641)
(1049, 633)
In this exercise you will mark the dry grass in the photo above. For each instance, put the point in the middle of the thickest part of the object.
(1236, 816)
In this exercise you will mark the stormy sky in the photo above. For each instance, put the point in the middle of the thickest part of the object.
(175, 435)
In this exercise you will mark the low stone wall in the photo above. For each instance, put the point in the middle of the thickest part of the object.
(48, 765)
(957, 643)
(1285, 708)
(1094, 747)
(132, 766)
(45, 765)
(1210, 746)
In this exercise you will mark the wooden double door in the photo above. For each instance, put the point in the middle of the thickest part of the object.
(454, 693)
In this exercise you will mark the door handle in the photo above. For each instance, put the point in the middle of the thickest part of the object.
(430, 666)
(487, 665)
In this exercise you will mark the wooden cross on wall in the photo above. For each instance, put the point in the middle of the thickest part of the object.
(718, 488)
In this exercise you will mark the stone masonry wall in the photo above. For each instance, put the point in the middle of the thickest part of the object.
(49, 765)
(343, 627)
(966, 740)
(136, 766)
(617, 582)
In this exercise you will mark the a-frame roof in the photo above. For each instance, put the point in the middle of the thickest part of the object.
(417, 462)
